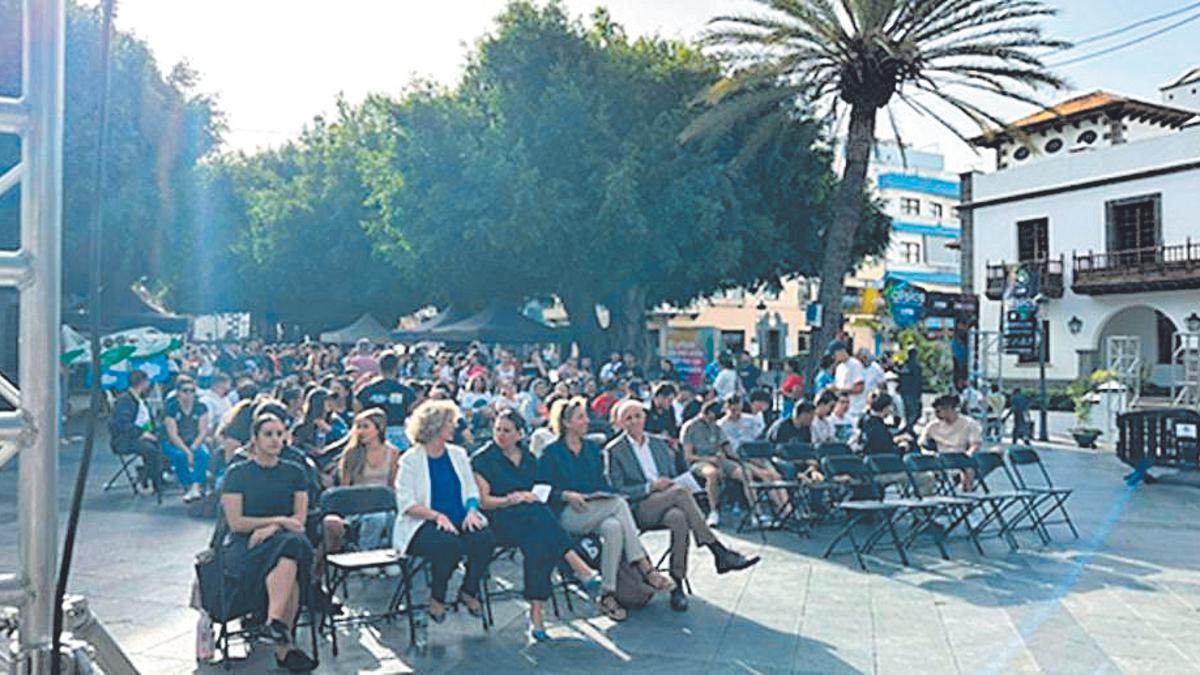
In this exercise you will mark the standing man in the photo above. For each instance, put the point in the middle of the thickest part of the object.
(848, 379)
(131, 430)
(640, 467)
(362, 361)
(387, 393)
(727, 383)
(911, 383)
(873, 375)
(748, 372)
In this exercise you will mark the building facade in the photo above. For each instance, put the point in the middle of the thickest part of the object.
(1102, 200)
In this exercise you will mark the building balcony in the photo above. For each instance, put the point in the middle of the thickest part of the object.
(1156, 268)
(1050, 270)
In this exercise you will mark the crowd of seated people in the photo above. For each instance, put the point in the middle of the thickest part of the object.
(484, 448)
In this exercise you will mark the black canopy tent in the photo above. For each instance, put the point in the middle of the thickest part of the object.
(495, 324)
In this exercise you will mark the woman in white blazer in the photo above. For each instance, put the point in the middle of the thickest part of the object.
(438, 502)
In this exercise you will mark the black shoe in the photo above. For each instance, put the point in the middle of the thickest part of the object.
(276, 633)
(731, 561)
(296, 661)
(143, 477)
(679, 601)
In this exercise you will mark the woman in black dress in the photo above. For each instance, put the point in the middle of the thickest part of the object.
(505, 472)
(265, 500)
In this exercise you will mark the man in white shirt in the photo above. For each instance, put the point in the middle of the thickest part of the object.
(873, 374)
(848, 378)
(727, 382)
(216, 398)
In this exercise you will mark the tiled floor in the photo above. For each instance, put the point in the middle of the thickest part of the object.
(1125, 597)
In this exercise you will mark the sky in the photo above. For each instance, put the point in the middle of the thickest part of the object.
(275, 64)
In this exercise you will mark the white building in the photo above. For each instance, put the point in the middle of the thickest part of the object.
(1103, 198)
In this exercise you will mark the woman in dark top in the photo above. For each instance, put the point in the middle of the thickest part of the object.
(574, 468)
(266, 504)
(506, 472)
(312, 435)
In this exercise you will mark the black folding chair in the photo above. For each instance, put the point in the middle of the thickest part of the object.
(814, 498)
(888, 470)
(491, 595)
(926, 474)
(1025, 501)
(866, 504)
(357, 501)
(127, 459)
(824, 450)
(758, 492)
(990, 507)
(226, 603)
(1054, 498)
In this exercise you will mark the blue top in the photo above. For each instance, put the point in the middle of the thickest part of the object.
(445, 491)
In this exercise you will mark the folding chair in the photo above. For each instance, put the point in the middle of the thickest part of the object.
(824, 450)
(991, 506)
(357, 501)
(240, 607)
(924, 510)
(127, 459)
(814, 499)
(925, 469)
(758, 492)
(1051, 495)
(987, 463)
(852, 470)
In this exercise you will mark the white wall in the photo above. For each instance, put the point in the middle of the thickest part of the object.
(1186, 96)
(1077, 223)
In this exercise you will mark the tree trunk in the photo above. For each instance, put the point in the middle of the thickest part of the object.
(847, 216)
(585, 329)
(629, 323)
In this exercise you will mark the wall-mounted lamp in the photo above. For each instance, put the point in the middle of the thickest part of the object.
(1075, 325)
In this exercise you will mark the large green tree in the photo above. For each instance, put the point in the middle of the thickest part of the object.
(159, 130)
(936, 56)
(554, 168)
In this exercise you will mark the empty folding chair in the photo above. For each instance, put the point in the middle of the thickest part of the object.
(867, 503)
(932, 483)
(889, 471)
(1019, 500)
(1053, 498)
(989, 508)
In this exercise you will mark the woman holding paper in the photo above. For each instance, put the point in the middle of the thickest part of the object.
(505, 472)
(586, 503)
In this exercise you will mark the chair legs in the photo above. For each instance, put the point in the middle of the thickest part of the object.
(126, 462)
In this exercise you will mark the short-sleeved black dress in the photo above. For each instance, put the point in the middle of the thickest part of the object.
(266, 492)
(531, 527)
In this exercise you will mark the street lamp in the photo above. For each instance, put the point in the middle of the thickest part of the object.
(1193, 323)
(1075, 325)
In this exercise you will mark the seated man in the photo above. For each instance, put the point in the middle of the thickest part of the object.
(131, 430)
(740, 428)
(640, 467)
(822, 428)
(952, 432)
(707, 451)
(797, 428)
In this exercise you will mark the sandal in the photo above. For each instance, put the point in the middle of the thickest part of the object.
(660, 581)
(474, 607)
(611, 608)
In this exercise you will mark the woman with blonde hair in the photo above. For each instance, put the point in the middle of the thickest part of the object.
(367, 460)
(438, 500)
(586, 503)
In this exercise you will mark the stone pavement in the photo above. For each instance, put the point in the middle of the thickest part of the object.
(1125, 597)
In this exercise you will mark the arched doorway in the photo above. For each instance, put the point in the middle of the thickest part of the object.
(1156, 332)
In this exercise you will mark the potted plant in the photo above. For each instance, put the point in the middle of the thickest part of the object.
(1083, 396)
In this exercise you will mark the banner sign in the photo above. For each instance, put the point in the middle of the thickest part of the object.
(690, 349)
(905, 302)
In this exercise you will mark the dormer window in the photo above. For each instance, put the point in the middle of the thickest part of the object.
(1054, 146)
(1087, 138)
(1021, 154)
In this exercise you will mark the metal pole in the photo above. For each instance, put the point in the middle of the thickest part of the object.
(40, 315)
(1043, 433)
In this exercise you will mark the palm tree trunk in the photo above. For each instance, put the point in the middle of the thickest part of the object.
(847, 215)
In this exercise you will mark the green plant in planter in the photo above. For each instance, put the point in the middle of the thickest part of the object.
(1082, 393)
(934, 355)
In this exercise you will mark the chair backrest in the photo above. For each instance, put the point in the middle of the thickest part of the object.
(1023, 455)
(832, 449)
(796, 452)
(986, 463)
(756, 450)
(358, 499)
(847, 466)
(883, 463)
(919, 464)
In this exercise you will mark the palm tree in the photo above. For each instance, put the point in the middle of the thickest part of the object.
(804, 57)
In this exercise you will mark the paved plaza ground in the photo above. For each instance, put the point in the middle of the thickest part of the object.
(1124, 597)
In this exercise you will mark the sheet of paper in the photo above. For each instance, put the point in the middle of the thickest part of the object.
(542, 492)
(687, 480)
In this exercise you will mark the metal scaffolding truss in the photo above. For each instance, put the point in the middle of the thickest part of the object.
(987, 357)
(1185, 389)
(34, 269)
(1123, 356)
